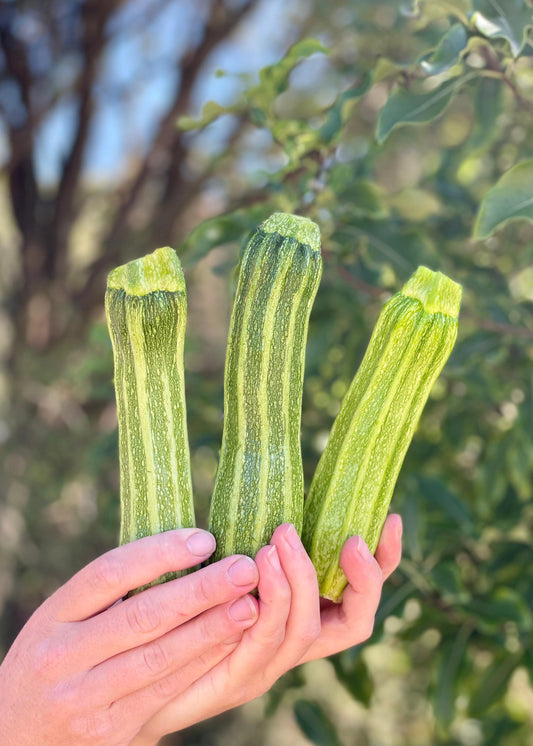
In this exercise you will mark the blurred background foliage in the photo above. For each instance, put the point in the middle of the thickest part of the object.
(406, 131)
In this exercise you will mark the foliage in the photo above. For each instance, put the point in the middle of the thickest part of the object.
(405, 131)
(401, 169)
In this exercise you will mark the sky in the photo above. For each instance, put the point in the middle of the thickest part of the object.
(138, 74)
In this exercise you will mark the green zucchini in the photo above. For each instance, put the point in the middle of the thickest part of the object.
(146, 309)
(352, 487)
(259, 481)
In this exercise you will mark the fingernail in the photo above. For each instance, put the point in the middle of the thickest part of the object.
(242, 572)
(398, 527)
(201, 544)
(273, 558)
(362, 550)
(242, 609)
(292, 538)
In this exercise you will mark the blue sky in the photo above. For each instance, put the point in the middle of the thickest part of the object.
(138, 75)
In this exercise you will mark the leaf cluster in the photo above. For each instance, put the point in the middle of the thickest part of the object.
(422, 156)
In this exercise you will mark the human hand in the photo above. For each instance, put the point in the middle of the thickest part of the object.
(294, 625)
(352, 621)
(91, 668)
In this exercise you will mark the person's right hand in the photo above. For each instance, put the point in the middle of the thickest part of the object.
(91, 668)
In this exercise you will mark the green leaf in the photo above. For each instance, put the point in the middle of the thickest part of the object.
(494, 683)
(354, 676)
(487, 106)
(315, 724)
(437, 9)
(446, 578)
(385, 68)
(210, 112)
(509, 199)
(388, 241)
(451, 655)
(339, 113)
(503, 19)
(506, 605)
(435, 491)
(275, 78)
(448, 51)
(361, 198)
(409, 107)
(296, 137)
(220, 230)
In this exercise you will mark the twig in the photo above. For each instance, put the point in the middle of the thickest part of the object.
(219, 27)
(96, 17)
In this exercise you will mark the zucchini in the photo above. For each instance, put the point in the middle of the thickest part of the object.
(352, 487)
(146, 309)
(259, 481)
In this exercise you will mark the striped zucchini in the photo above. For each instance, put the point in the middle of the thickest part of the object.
(353, 483)
(259, 482)
(146, 308)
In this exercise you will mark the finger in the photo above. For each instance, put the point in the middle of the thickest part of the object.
(146, 709)
(389, 550)
(242, 675)
(303, 624)
(351, 622)
(147, 664)
(361, 596)
(288, 623)
(148, 615)
(109, 577)
(274, 603)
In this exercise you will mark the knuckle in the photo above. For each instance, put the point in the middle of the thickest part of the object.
(203, 591)
(142, 614)
(206, 633)
(216, 627)
(93, 727)
(166, 687)
(64, 698)
(105, 574)
(230, 643)
(50, 657)
(155, 658)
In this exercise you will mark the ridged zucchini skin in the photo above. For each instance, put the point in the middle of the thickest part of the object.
(352, 487)
(146, 309)
(259, 482)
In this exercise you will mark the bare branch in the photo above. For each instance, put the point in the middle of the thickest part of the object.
(179, 193)
(96, 15)
(168, 140)
(23, 183)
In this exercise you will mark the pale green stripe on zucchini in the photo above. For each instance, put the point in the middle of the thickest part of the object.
(146, 309)
(354, 480)
(259, 482)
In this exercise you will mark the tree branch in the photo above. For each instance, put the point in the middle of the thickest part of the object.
(95, 17)
(22, 181)
(179, 193)
(168, 138)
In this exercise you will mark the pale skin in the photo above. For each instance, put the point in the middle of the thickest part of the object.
(89, 668)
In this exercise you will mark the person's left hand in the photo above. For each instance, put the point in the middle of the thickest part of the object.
(294, 625)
